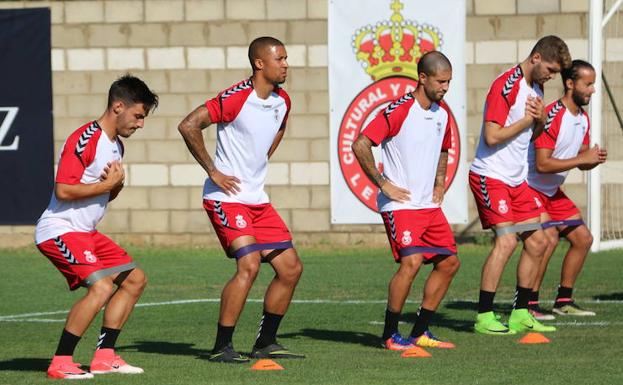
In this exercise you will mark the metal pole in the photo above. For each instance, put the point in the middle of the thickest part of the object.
(594, 176)
(612, 101)
(610, 13)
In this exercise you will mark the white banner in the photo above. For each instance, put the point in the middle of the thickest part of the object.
(374, 47)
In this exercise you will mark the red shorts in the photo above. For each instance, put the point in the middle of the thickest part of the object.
(424, 231)
(559, 206)
(498, 202)
(85, 258)
(233, 220)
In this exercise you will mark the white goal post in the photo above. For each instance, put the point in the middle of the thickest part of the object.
(607, 233)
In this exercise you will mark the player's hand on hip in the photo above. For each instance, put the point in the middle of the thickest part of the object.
(227, 183)
(395, 193)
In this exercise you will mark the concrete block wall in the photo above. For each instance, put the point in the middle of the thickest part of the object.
(188, 50)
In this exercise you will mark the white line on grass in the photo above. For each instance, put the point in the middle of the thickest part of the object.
(43, 320)
(578, 323)
(201, 300)
(30, 316)
(572, 323)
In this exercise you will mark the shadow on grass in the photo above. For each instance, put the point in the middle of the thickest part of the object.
(25, 365)
(459, 325)
(342, 336)
(440, 320)
(609, 297)
(473, 306)
(161, 347)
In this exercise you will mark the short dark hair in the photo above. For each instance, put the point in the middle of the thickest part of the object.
(132, 90)
(432, 62)
(553, 49)
(573, 72)
(259, 44)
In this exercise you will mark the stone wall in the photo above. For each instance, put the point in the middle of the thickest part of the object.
(187, 50)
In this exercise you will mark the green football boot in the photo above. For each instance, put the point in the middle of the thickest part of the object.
(522, 321)
(488, 323)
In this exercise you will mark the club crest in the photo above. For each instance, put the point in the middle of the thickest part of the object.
(502, 207)
(89, 256)
(389, 52)
(406, 238)
(240, 222)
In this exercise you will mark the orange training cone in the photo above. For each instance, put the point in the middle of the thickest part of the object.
(415, 353)
(266, 365)
(534, 338)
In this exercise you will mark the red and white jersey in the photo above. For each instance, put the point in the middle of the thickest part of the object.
(247, 126)
(411, 141)
(505, 105)
(85, 154)
(564, 133)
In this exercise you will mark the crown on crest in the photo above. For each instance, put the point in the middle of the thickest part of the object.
(394, 47)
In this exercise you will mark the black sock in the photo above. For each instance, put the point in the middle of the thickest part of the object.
(223, 336)
(391, 324)
(522, 296)
(534, 296)
(564, 293)
(108, 338)
(421, 324)
(533, 303)
(67, 344)
(485, 302)
(268, 329)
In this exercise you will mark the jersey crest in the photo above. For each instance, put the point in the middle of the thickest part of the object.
(537, 202)
(88, 255)
(502, 207)
(406, 238)
(240, 222)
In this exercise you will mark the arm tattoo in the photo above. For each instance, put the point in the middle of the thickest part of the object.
(191, 128)
(363, 151)
(440, 178)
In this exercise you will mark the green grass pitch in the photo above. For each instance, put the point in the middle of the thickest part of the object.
(336, 321)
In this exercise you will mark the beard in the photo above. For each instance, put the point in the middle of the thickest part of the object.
(433, 96)
(537, 77)
(579, 100)
(126, 133)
